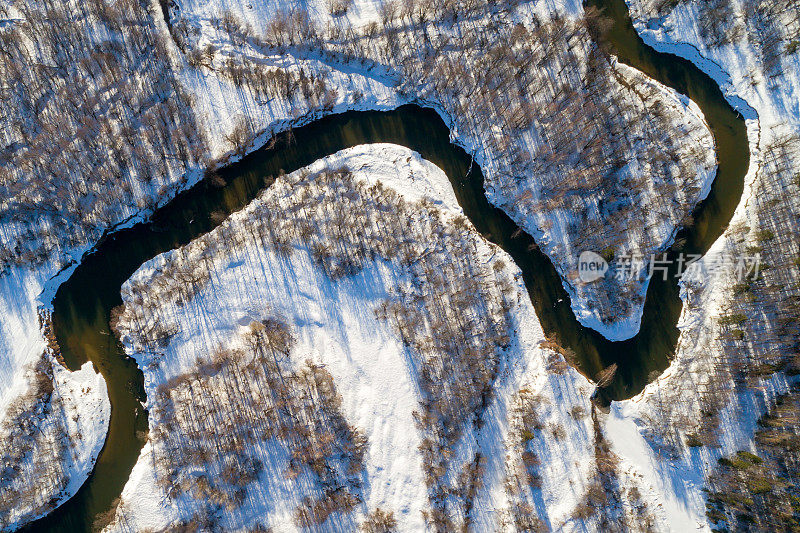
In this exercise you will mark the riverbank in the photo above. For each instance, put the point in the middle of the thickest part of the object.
(705, 376)
(55, 433)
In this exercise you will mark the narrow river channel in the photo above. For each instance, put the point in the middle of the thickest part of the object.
(82, 304)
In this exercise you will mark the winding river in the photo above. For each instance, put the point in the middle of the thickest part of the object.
(82, 304)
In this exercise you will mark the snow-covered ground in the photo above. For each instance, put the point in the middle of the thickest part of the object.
(380, 84)
(650, 429)
(334, 324)
(220, 106)
(67, 437)
(24, 290)
(87, 413)
(83, 413)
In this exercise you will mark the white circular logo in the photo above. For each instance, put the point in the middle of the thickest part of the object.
(591, 266)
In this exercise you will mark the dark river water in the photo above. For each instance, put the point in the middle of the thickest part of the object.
(82, 304)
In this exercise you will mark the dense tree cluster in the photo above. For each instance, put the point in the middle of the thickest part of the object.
(287, 82)
(34, 459)
(522, 465)
(756, 333)
(379, 521)
(759, 330)
(605, 501)
(759, 491)
(93, 124)
(210, 426)
(761, 324)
